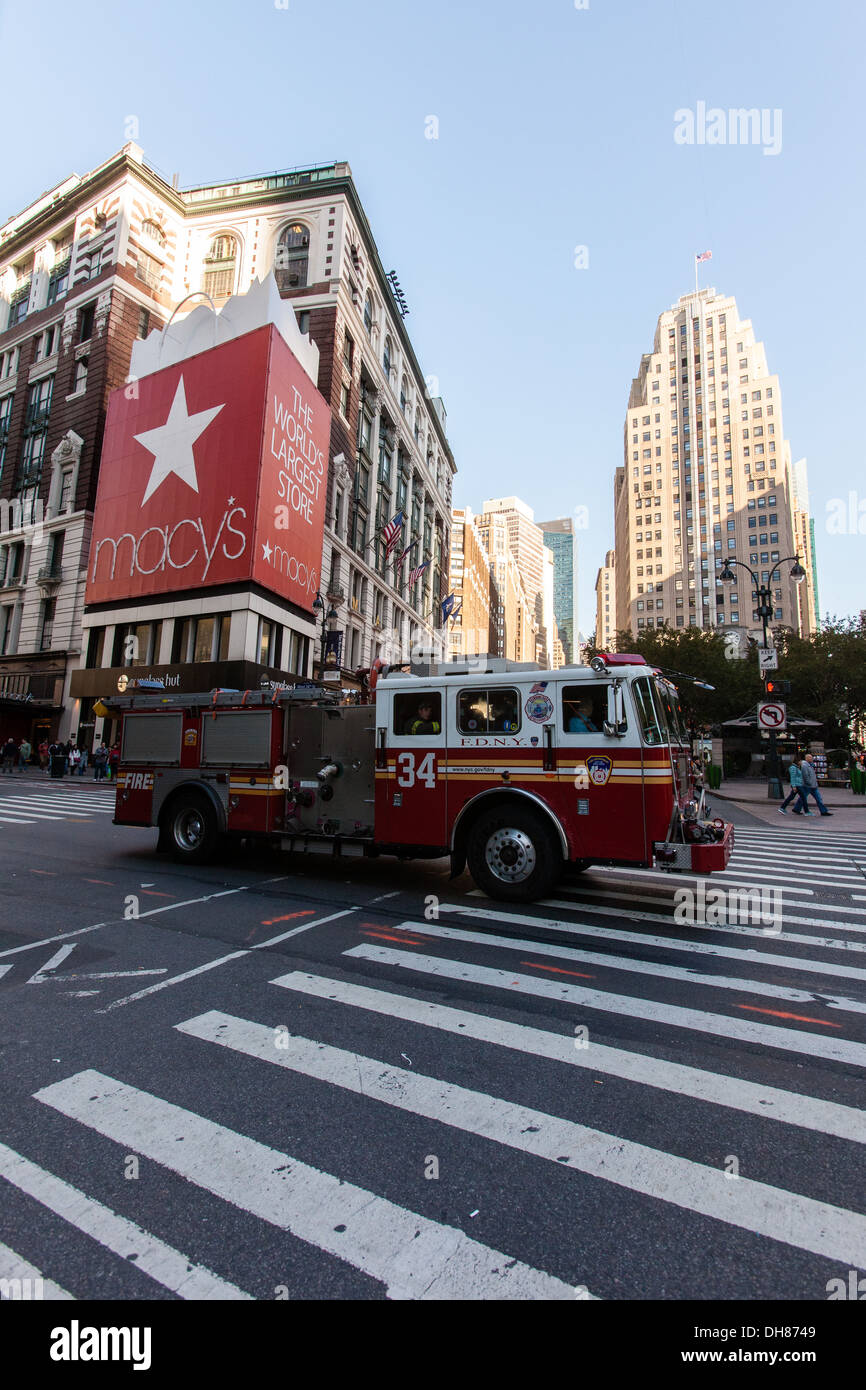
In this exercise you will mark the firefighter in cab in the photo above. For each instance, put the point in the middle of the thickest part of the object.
(424, 722)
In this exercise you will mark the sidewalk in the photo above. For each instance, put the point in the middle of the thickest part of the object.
(749, 791)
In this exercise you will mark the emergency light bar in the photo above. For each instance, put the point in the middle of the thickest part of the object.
(604, 659)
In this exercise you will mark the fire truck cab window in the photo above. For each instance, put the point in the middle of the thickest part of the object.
(647, 713)
(488, 711)
(418, 713)
(584, 708)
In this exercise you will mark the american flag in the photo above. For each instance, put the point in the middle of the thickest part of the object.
(704, 256)
(391, 532)
(403, 553)
(415, 574)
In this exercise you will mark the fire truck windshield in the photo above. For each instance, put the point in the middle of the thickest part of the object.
(666, 698)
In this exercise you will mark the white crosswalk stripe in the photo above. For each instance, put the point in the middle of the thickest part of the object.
(29, 807)
(413, 1256)
(759, 1004)
(755, 1206)
(22, 1281)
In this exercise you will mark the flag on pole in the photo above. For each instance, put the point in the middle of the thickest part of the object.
(403, 553)
(391, 533)
(704, 256)
(415, 574)
(448, 606)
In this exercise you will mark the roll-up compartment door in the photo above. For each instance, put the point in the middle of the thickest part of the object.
(151, 738)
(236, 738)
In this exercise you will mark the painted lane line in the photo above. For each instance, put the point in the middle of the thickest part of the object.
(16, 820)
(411, 1255)
(42, 974)
(671, 1015)
(151, 912)
(625, 897)
(745, 955)
(14, 1266)
(168, 1267)
(754, 1206)
(788, 1107)
(4, 969)
(221, 960)
(662, 970)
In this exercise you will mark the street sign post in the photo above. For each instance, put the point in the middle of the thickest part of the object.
(768, 659)
(772, 716)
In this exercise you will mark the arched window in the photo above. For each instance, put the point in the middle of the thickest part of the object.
(293, 255)
(368, 314)
(387, 353)
(404, 397)
(220, 266)
(153, 232)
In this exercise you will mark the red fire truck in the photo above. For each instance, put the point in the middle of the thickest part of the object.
(516, 771)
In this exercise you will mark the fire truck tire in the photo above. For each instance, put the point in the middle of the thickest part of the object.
(191, 830)
(513, 854)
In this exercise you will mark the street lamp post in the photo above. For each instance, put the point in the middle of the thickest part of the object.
(329, 615)
(764, 596)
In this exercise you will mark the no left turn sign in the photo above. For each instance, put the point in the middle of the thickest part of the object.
(771, 715)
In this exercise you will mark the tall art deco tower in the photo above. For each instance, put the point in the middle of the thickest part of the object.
(706, 477)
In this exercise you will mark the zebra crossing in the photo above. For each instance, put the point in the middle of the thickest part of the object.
(31, 804)
(610, 1069)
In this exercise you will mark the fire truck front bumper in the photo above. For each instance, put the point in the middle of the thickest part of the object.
(707, 856)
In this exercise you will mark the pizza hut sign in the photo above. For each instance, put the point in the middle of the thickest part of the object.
(214, 471)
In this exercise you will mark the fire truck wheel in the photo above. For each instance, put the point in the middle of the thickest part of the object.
(513, 854)
(192, 828)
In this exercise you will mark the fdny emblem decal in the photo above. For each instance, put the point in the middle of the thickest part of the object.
(538, 708)
(599, 769)
(190, 738)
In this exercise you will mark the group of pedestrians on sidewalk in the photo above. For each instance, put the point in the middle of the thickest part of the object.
(804, 783)
(12, 753)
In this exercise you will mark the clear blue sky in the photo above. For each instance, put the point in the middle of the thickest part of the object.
(555, 130)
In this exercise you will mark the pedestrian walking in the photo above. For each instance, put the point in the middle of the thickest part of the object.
(43, 755)
(74, 760)
(810, 785)
(795, 777)
(113, 762)
(25, 750)
(10, 753)
(82, 765)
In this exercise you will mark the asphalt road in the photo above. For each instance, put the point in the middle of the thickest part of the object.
(281, 1078)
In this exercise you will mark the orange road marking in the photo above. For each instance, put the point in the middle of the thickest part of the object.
(402, 931)
(554, 969)
(388, 936)
(272, 921)
(152, 893)
(777, 1013)
(106, 881)
(45, 872)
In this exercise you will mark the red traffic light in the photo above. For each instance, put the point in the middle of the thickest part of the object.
(774, 687)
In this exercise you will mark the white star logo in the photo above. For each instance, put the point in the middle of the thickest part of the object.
(266, 551)
(171, 443)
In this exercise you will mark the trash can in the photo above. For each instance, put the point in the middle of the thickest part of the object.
(858, 780)
(58, 764)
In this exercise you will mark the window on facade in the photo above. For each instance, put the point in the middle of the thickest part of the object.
(5, 417)
(79, 383)
(220, 264)
(348, 352)
(85, 322)
(152, 231)
(387, 356)
(293, 256)
(368, 315)
(35, 431)
(148, 270)
(143, 323)
(58, 282)
(48, 611)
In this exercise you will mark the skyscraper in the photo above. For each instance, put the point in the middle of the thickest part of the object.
(605, 603)
(526, 544)
(559, 538)
(706, 476)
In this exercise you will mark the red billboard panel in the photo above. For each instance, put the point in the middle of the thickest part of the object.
(213, 471)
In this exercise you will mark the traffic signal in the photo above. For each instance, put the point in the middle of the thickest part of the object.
(774, 687)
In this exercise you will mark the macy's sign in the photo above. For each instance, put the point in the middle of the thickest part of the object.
(171, 547)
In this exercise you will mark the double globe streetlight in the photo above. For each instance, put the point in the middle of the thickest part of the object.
(329, 616)
(764, 596)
